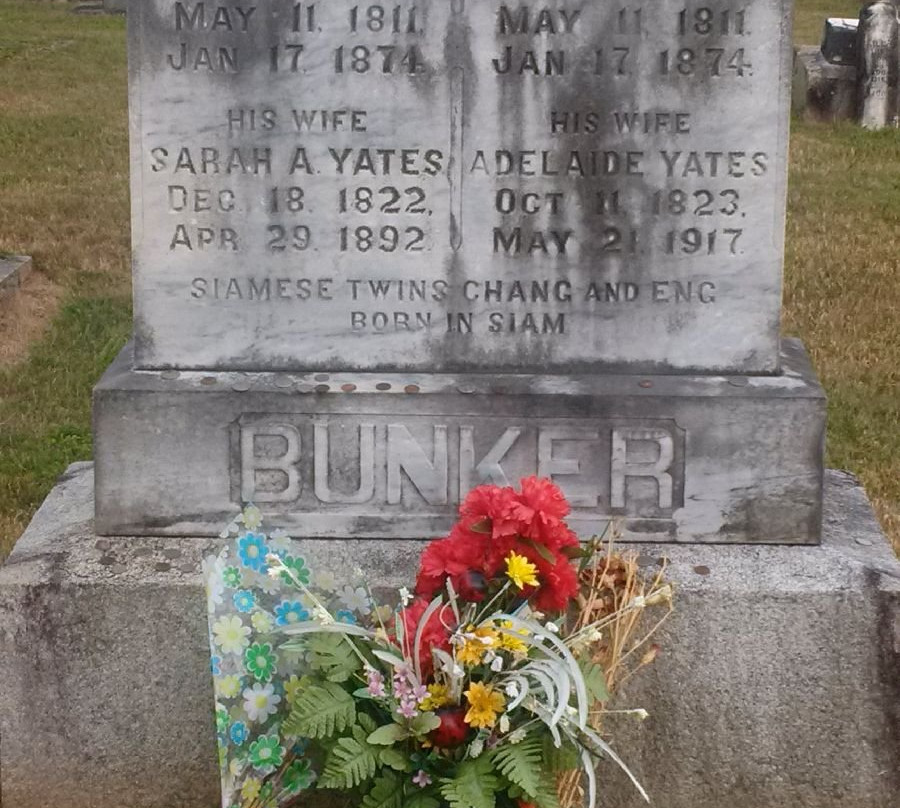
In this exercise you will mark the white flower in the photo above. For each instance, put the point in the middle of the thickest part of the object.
(476, 748)
(326, 581)
(595, 636)
(405, 596)
(497, 664)
(639, 602)
(512, 690)
(321, 615)
(504, 723)
(231, 635)
(261, 701)
(641, 715)
(552, 627)
(279, 540)
(264, 583)
(252, 517)
(213, 570)
(356, 599)
(518, 736)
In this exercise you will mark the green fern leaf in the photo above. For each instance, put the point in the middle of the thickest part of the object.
(421, 799)
(332, 656)
(322, 711)
(559, 759)
(521, 764)
(387, 792)
(349, 765)
(475, 785)
(546, 795)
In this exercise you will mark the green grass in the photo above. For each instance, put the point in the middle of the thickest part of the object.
(63, 182)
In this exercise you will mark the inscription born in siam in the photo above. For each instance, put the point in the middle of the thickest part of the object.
(459, 185)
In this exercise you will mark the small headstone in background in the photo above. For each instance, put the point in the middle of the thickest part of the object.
(13, 270)
(878, 65)
(840, 42)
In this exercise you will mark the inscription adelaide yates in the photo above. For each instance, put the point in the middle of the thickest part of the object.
(605, 466)
(454, 185)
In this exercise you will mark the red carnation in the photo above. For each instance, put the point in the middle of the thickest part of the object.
(493, 507)
(559, 583)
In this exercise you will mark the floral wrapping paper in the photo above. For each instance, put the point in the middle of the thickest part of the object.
(256, 681)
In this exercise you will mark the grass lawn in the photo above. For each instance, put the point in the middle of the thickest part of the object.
(63, 184)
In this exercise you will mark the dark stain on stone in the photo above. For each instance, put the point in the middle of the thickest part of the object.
(171, 553)
(108, 560)
(162, 566)
(702, 570)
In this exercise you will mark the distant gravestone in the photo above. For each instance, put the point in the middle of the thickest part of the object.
(360, 230)
(879, 65)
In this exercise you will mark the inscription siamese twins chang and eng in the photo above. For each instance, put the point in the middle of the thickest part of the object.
(451, 185)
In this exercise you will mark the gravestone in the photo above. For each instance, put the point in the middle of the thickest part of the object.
(383, 253)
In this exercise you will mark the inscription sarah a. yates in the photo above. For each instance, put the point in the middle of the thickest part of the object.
(624, 466)
(379, 169)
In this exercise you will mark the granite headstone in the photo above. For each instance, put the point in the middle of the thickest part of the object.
(386, 252)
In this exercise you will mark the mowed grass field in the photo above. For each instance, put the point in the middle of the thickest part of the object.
(64, 200)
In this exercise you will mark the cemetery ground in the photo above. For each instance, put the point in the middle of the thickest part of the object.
(64, 201)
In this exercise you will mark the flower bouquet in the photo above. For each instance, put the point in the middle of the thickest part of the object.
(485, 687)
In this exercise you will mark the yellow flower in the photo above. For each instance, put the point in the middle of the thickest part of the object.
(521, 571)
(510, 642)
(250, 789)
(475, 647)
(228, 687)
(484, 704)
(438, 696)
(292, 688)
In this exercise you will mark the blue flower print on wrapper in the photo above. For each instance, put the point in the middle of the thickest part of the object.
(244, 600)
(252, 551)
(239, 733)
(215, 665)
(345, 616)
(290, 612)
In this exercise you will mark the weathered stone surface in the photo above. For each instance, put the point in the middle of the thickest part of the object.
(777, 687)
(823, 91)
(13, 271)
(681, 458)
(115, 6)
(840, 42)
(559, 187)
(879, 65)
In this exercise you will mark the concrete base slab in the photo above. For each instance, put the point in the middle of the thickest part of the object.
(777, 688)
(678, 458)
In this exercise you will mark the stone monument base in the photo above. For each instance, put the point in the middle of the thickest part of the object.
(719, 459)
(777, 685)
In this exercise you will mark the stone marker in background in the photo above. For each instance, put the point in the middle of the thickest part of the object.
(840, 42)
(879, 66)
(343, 200)
(13, 271)
(384, 253)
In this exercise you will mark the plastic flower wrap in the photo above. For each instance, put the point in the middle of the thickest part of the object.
(485, 687)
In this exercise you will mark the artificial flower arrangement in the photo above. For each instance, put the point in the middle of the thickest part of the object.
(485, 687)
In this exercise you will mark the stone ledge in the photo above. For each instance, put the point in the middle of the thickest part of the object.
(777, 685)
(730, 459)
